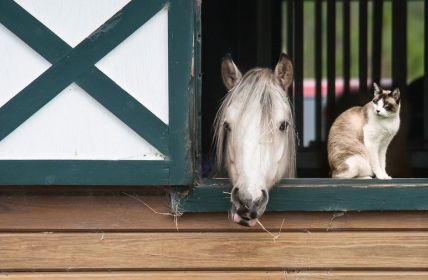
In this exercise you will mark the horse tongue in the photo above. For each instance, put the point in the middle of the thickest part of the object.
(252, 222)
(236, 218)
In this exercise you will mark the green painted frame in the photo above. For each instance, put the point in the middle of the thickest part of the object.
(315, 194)
(77, 65)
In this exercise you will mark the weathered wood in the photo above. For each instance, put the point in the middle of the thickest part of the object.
(187, 251)
(220, 275)
(23, 212)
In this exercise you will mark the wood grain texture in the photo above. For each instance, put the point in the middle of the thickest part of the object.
(114, 211)
(220, 275)
(189, 251)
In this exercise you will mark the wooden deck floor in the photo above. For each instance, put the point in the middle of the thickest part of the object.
(109, 235)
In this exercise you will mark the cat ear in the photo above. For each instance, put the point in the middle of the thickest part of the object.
(396, 94)
(377, 89)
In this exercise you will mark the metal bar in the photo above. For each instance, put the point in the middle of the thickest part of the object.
(362, 46)
(399, 46)
(290, 40)
(346, 46)
(377, 40)
(318, 70)
(298, 66)
(331, 60)
(276, 27)
(426, 77)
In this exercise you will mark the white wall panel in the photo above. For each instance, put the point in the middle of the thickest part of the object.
(72, 20)
(75, 126)
(140, 65)
(19, 65)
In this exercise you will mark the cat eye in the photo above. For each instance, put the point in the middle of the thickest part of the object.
(226, 127)
(375, 101)
(387, 106)
(283, 126)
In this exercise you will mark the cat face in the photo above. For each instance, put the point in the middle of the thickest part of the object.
(386, 103)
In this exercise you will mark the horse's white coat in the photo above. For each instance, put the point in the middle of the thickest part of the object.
(260, 149)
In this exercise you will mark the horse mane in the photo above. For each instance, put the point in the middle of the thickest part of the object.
(258, 85)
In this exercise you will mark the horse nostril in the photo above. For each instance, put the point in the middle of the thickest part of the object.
(242, 211)
(265, 194)
(253, 215)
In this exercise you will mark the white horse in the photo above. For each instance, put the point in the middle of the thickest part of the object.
(254, 135)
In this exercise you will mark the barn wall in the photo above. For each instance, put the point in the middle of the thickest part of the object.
(74, 125)
(81, 234)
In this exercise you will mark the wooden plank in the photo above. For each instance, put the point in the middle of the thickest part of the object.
(317, 195)
(107, 212)
(220, 275)
(186, 251)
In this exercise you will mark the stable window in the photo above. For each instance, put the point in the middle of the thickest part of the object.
(339, 48)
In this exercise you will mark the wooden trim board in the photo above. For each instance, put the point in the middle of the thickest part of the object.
(37, 210)
(223, 251)
(219, 275)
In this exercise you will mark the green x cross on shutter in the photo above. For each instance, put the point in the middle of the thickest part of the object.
(77, 65)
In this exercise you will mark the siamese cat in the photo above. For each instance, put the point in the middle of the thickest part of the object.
(360, 136)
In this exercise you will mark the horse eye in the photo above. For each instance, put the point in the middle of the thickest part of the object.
(283, 126)
(226, 126)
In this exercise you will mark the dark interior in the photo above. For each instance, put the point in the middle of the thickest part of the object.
(254, 33)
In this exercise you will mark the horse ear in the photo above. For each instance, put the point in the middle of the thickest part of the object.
(284, 70)
(229, 72)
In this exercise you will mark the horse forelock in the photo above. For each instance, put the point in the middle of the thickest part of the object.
(258, 86)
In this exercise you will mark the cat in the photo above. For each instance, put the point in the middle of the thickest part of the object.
(360, 136)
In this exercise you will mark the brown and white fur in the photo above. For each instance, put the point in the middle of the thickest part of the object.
(254, 135)
(359, 137)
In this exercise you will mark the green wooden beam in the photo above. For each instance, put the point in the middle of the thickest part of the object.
(315, 195)
(182, 91)
(83, 172)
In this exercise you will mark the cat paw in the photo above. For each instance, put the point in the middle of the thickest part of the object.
(384, 177)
